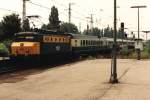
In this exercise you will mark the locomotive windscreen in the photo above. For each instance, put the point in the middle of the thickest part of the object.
(26, 36)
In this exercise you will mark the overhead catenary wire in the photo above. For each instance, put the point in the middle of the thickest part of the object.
(4, 9)
(59, 11)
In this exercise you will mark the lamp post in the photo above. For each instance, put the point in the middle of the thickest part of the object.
(113, 77)
(24, 10)
(69, 12)
(138, 50)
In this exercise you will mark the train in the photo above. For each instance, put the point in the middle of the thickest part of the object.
(46, 43)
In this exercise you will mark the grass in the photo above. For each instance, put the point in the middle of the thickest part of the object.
(126, 54)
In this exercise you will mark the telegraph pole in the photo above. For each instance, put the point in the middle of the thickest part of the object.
(87, 24)
(113, 78)
(69, 12)
(24, 12)
(138, 50)
(91, 21)
(80, 27)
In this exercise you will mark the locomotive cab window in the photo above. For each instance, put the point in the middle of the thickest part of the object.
(25, 38)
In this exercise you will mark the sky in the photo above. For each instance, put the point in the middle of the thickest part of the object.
(102, 11)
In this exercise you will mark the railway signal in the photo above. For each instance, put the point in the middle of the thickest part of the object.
(122, 31)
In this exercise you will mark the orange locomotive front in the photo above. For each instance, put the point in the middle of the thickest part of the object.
(25, 48)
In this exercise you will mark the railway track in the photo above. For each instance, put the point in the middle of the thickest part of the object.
(9, 66)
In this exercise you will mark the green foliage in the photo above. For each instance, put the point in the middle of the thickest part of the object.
(147, 48)
(54, 23)
(11, 24)
(120, 34)
(144, 55)
(95, 32)
(69, 28)
(26, 25)
(1, 31)
(3, 49)
(44, 26)
(54, 19)
(124, 51)
(108, 32)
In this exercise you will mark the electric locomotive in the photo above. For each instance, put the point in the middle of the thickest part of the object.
(40, 43)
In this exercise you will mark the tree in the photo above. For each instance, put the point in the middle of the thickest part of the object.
(1, 32)
(54, 19)
(68, 27)
(95, 32)
(26, 25)
(44, 26)
(11, 24)
(108, 32)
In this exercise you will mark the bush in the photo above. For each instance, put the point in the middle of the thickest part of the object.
(145, 55)
(3, 50)
(124, 51)
(147, 49)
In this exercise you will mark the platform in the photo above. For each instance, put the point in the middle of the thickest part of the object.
(85, 80)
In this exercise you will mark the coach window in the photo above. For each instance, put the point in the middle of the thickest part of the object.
(84, 42)
(99, 43)
(81, 42)
(87, 42)
(91, 42)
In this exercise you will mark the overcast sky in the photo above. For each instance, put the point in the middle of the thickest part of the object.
(102, 11)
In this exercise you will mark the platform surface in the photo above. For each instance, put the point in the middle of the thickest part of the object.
(85, 80)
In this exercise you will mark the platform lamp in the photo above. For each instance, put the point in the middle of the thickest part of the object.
(113, 77)
(138, 50)
(146, 33)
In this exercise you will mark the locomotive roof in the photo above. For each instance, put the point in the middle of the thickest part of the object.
(41, 33)
(76, 36)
